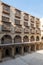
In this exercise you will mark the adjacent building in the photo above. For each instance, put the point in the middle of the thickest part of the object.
(19, 32)
(41, 28)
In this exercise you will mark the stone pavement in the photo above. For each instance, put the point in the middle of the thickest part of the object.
(34, 58)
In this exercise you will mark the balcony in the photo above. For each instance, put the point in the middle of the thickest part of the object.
(26, 30)
(6, 8)
(18, 13)
(37, 25)
(17, 22)
(18, 29)
(26, 16)
(32, 19)
(38, 31)
(26, 24)
(37, 21)
(6, 28)
(32, 25)
(5, 19)
(32, 31)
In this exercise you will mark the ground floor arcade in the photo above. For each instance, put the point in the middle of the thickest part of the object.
(18, 45)
(13, 50)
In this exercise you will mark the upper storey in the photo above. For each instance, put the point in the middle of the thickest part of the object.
(12, 16)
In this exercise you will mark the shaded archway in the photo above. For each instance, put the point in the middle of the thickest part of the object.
(6, 52)
(17, 39)
(25, 39)
(32, 38)
(32, 47)
(17, 50)
(26, 49)
(37, 38)
(6, 39)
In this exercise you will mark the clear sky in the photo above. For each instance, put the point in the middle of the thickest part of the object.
(34, 7)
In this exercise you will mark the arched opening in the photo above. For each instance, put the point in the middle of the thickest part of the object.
(17, 39)
(18, 50)
(6, 52)
(37, 38)
(25, 39)
(26, 49)
(6, 39)
(32, 47)
(42, 38)
(32, 38)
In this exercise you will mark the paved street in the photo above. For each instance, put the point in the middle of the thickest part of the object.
(34, 58)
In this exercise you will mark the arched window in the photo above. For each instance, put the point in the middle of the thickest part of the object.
(32, 38)
(6, 39)
(37, 38)
(17, 39)
(25, 39)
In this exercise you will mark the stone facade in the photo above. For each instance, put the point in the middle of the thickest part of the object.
(19, 32)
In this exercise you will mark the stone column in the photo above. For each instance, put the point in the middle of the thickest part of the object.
(12, 41)
(22, 50)
(29, 49)
(22, 39)
(0, 55)
(13, 52)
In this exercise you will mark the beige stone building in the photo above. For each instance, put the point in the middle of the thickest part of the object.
(19, 32)
(41, 28)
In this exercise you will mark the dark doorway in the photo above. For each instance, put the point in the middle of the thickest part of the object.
(18, 50)
(32, 47)
(7, 53)
(25, 49)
